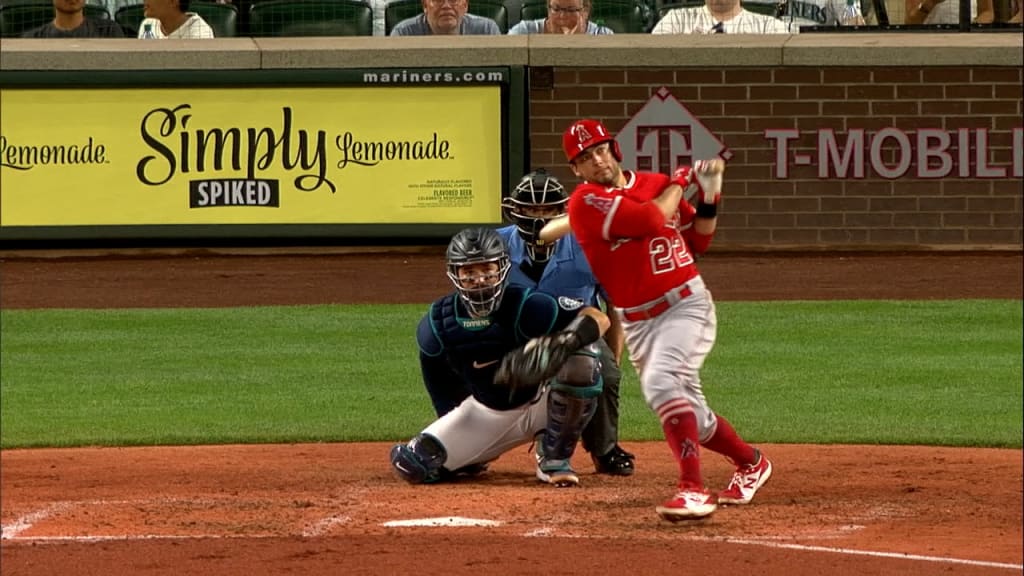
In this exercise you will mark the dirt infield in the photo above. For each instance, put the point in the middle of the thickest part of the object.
(325, 509)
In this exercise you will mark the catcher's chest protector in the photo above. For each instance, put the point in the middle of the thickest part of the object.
(465, 345)
(476, 353)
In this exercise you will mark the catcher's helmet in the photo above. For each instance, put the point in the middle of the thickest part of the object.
(586, 133)
(479, 246)
(537, 198)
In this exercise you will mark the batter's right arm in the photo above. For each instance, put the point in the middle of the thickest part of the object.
(668, 201)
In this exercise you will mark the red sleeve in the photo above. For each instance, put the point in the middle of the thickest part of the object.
(613, 215)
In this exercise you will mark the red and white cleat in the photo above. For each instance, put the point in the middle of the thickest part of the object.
(746, 482)
(688, 504)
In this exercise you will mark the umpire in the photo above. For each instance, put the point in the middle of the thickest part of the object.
(559, 268)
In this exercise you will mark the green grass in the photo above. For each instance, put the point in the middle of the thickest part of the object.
(938, 373)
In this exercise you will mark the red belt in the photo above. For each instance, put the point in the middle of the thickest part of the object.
(657, 308)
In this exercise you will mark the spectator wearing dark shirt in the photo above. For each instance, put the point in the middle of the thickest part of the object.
(69, 21)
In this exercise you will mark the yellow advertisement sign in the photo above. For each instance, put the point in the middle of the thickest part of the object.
(346, 155)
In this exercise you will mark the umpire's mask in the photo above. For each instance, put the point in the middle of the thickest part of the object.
(537, 198)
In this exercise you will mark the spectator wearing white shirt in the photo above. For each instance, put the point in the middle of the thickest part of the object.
(716, 17)
(943, 12)
(171, 19)
(806, 13)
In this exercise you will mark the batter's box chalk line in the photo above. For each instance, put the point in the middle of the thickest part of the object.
(324, 525)
(852, 552)
(441, 522)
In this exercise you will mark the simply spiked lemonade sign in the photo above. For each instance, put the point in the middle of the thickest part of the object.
(250, 156)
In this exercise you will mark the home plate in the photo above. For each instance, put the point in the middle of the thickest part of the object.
(443, 521)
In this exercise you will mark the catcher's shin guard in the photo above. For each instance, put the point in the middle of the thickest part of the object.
(419, 461)
(572, 401)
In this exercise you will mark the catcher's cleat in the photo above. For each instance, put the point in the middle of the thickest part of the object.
(617, 462)
(688, 504)
(557, 472)
(746, 481)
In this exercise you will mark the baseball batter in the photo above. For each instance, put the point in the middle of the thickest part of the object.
(476, 346)
(640, 236)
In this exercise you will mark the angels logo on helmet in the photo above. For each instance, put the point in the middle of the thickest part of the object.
(581, 135)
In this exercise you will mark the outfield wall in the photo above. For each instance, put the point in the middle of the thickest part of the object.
(889, 141)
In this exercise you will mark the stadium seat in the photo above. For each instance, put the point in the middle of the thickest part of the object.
(766, 8)
(663, 6)
(398, 10)
(622, 16)
(16, 19)
(130, 17)
(284, 18)
(223, 18)
(533, 10)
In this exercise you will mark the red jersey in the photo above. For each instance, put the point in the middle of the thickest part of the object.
(635, 253)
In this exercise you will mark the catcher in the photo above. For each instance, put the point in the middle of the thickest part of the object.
(498, 372)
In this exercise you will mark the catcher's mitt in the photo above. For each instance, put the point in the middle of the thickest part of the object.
(538, 360)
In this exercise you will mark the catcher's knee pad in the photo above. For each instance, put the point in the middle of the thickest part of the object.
(419, 461)
(570, 409)
(580, 376)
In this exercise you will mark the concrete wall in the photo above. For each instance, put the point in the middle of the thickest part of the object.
(824, 86)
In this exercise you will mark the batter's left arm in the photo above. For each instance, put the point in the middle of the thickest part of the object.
(706, 175)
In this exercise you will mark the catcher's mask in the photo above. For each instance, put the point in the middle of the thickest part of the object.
(478, 265)
(536, 199)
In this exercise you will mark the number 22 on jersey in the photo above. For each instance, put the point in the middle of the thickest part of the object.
(668, 254)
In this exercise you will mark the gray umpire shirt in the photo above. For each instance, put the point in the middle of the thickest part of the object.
(90, 28)
(471, 24)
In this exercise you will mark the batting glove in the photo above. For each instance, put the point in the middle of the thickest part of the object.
(709, 176)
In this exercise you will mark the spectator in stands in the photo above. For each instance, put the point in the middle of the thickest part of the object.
(717, 17)
(445, 17)
(69, 21)
(948, 12)
(924, 12)
(171, 19)
(564, 17)
(806, 13)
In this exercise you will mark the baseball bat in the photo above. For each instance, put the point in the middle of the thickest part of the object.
(555, 228)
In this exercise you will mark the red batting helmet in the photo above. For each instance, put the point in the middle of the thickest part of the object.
(586, 133)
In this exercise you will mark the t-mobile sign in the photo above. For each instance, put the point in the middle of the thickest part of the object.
(664, 134)
(929, 151)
